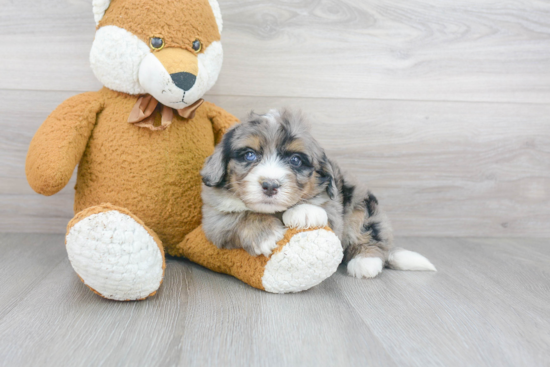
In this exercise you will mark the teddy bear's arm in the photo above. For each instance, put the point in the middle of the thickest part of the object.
(221, 120)
(59, 143)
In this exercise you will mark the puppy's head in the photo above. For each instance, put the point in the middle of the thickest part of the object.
(270, 162)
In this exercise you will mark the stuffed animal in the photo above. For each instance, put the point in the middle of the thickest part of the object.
(140, 143)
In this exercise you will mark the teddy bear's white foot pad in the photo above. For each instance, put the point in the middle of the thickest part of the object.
(308, 259)
(115, 256)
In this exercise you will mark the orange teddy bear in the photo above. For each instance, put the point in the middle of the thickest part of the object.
(140, 143)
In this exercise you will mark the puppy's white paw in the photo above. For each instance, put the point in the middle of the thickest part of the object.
(269, 244)
(365, 267)
(305, 216)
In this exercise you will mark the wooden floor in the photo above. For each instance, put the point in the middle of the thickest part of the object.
(489, 305)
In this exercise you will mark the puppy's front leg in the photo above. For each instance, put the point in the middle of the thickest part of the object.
(259, 233)
(255, 232)
(305, 216)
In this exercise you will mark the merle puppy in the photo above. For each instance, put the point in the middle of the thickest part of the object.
(269, 173)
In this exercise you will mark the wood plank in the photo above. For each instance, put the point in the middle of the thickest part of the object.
(21, 209)
(254, 328)
(34, 213)
(417, 50)
(488, 305)
(198, 318)
(26, 260)
(439, 169)
(22, 113)
(63, 323)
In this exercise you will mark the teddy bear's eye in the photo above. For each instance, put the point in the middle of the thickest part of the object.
(197, 45)
(156, 43)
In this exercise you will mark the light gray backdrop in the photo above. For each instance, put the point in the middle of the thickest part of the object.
(442, 107)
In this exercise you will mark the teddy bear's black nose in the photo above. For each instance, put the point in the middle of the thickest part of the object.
(184, 80)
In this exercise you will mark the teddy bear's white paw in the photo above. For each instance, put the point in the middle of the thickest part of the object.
(309, 258)
(115, 256)
(305, 216)
(365, 267)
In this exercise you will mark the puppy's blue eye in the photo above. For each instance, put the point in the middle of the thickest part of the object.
(250, 156)
(296, 161)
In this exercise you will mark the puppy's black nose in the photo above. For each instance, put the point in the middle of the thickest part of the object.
(184, 80)
(270, 187)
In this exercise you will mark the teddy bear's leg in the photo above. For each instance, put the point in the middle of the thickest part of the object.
(114, 253)
(302, 259)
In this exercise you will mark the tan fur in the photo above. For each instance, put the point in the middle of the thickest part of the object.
(296, 146)
(235, 262)
(59, 143)
(310, 189)
(178, 22)
(176, 60)
(160, 183)
(253, 142)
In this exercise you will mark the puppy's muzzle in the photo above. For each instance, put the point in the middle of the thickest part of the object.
(270, 188)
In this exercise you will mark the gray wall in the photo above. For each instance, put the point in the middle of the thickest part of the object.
(442, 107)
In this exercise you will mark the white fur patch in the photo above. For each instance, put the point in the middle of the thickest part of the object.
(210, 61)
(308, 259)
(124, 63)
(116, 57)
(401, 259)
(155, 80)
(225, 202)
(116, 256)
(272, 116)
(99, 8)
(217, 14)
(365, 267)
(305, 216)
(271, 168)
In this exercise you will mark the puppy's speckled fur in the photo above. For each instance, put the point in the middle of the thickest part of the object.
(278, 149)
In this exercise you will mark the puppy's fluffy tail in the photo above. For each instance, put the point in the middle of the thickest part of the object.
(402, 259)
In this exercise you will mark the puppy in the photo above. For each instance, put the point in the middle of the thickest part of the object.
(269, 173)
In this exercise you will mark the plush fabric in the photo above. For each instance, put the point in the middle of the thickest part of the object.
(160, 182)
(138, 183)
(116, 57)
(303, 259)
(59, 143)
(178, 22)
(112, 250)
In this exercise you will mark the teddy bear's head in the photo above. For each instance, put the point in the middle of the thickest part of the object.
(170, 49)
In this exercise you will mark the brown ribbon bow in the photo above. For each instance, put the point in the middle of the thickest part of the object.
(143, 115)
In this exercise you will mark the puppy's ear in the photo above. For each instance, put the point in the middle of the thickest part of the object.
(215, 167)
(327, 174)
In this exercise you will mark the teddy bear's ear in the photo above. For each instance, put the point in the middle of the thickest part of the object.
(99, 8)
(217, 13)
